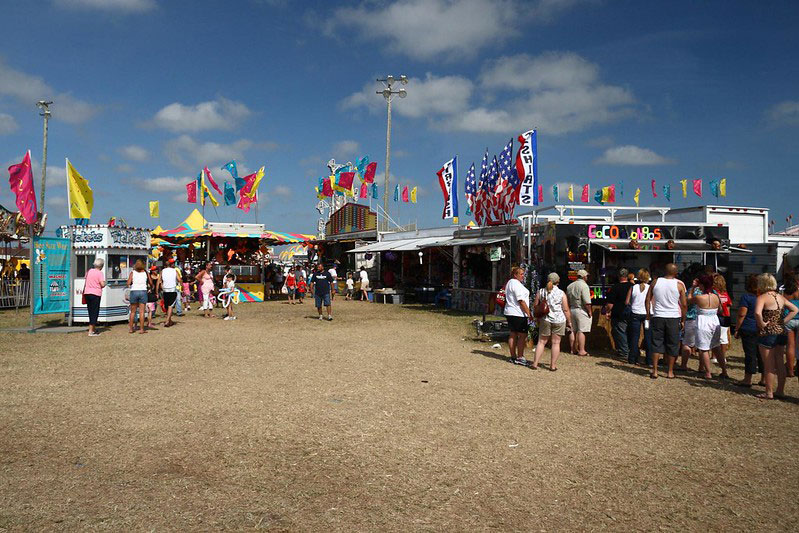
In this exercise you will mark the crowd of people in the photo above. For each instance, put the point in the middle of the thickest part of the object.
(672, 318)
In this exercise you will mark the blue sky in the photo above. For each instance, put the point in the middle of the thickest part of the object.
(148, 91)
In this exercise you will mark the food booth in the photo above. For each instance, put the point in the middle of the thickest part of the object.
(119, 247)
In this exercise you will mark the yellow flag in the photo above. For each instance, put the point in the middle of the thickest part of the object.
(455, 220)
(207, 191)
(723, 187)
(684, 184)
(81, 198)
(154, 209)
(605, 194)
(413, 195)
(637, 196)
(571, 193)
(258, 177)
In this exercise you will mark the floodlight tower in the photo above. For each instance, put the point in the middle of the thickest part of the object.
(45, 107)
(388, 93)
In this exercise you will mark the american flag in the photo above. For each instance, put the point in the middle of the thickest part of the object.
(480, 203)
(495, 190)
(505, 191)
(471, 188)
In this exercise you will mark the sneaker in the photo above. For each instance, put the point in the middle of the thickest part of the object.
(226, 318)
(95, 334)
(233, 317)
(329, 318)
(520, 361)
(320, 317)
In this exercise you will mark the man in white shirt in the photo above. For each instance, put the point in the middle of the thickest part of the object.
(168, 283)
(579, 296)
(665, 309)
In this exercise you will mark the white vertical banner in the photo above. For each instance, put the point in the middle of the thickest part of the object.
(448, 180)
(527, 168)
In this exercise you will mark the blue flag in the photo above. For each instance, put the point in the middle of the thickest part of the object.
(234, 172)
(555, 193)
(374, 191)
(598, 197)
(230, 194)
(667, 192)
(396, 193)
(360, 165)
(714, 188)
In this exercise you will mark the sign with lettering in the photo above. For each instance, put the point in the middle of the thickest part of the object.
(102, 236)
(640, 233)
(51, 275)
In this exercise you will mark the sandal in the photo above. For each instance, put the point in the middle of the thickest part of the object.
(763, 396)
(653, 376)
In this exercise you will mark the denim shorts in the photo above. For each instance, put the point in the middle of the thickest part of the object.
(322, 299)
(792, 325)
(137, 297)
(770, 341)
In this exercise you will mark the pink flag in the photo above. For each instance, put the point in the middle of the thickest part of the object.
(612, 194)
(405, 197)
(245, 202)
(369, 175)
(345, 180)
(21, 182)
(191, 192)
(540, 193)
(211, 180)
(248, 182)
(364, 190)
(654, 194)
(586, 191)
(327, 187)
(698, 187)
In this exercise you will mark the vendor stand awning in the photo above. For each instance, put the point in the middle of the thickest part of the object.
(397, 245)
(196, 227)
(476, 241)
(647, 247)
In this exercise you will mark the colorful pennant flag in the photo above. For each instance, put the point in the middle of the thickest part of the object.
(252, 186)
(698, 187)
(605, 194)
(413, 195)
(714, 188)
(527, 168)
(345, 181)
(369, 175)
(20, 179)
(191, 192)
(654, 192)
(364, 192)
(246, 201)
(234, 172)
(211, 180)
(154, 209)
(667, 192)
(571, 193)
(684, 184)
(612, 194)
(540, 194)
(448, 180)
(723, 187)
(586, 193)
(598, 197)
(406, 194)
(81, 197)
(637, 196)
(555, 194)
(327, 186)
(396, 192)
(374, 191)
(482, 211)
(360, 166)
(230, 194)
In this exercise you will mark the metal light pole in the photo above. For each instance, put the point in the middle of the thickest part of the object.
(45, 107)
(388, 93)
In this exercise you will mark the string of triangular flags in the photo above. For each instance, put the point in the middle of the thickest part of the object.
(610, 193)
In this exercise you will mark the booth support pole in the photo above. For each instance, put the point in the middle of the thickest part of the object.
(30, 229)
(72, 274)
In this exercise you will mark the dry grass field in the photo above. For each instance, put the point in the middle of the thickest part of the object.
(388, 418)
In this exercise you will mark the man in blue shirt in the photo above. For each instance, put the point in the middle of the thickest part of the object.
(320, 282)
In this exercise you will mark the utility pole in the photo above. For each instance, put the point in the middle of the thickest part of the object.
(45, 107)
(388, 92)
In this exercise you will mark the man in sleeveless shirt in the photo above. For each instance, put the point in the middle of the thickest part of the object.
(665, 309)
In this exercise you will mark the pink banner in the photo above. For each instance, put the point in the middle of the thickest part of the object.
(586, 192)
(698, 187)
(191, 192)
(21, 182)
(654, 193)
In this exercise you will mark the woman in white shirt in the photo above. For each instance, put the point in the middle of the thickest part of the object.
(137, 281)
(517, 311)
(553, 324)
(636, 299)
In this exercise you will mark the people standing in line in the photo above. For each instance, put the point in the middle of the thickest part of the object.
(665, 310)
(517, 311)
(334, 287)
(552, 326)
(302, 288)
(168, 282)
(152, 294)
(746, 330)
(771, 333)
(619, 313)
(636, 299)
(205, 280)
(791, 293)
(720, 353)
(364, 276)
(321, 282)
(93, 292)
(291, 285)
(137, 282)
(708, 329)
(579, 296)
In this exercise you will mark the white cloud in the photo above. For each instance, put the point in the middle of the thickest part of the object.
(134, 153)
(603, 141)
(282, 191)
(27, 90)
(124, 167)
(426, 29)
(130, 6)
(163, 184)
(555, 92)
(56, 174)
(344, 149)
(785, 113)
(188, 154)
(8, 124)
(219, 114)
(633, 156)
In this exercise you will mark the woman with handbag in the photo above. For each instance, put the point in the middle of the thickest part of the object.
(517, 311)
(552, 311)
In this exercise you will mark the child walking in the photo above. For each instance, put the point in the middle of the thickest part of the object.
(350, 287)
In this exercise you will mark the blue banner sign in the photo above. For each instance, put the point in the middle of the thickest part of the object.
(50, 276)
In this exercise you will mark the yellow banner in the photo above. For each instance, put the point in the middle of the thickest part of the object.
(154, 211)
(413, 195)
(81, 198)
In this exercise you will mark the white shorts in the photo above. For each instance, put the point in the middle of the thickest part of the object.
(689, 333)
(725, 335)
(364, 285)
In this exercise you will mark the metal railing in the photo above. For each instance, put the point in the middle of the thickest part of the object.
(14, 293)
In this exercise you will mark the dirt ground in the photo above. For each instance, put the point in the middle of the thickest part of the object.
(388, 418)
